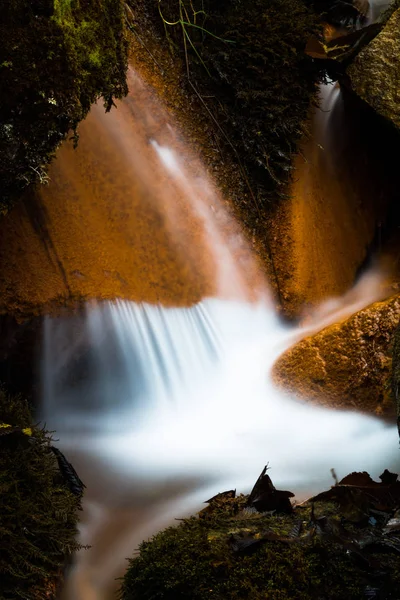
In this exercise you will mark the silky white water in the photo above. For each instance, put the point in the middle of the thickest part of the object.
(189, 393)
(175, 405)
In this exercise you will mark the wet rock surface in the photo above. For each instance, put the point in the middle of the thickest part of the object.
(346, 365)
(337, 215)
(375, 72)
(103, 227)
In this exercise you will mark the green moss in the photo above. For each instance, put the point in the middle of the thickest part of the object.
(95, 58)
(57, 58)
(38, 513)
(196, 560)
(62, 9)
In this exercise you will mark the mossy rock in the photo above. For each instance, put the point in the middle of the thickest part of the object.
(38, 512)
(375, 72)
(386, 14)
(290, 557)
(247, 60)
(57, 58)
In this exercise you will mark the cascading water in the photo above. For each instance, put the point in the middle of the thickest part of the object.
(175, 405)
(159, 408)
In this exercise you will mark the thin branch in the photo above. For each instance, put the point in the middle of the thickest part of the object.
(209, 32)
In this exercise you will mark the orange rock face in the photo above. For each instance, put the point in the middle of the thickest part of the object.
(346, 365)
(113, 222)
(342, 185)
(131, 213)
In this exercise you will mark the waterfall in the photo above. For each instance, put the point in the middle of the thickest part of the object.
(159, 408)
(115, 358)
(175, 405)
(178, 392)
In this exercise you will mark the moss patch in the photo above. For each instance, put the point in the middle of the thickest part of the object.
(250, 58)
(38, 514)
(232, 552)
(57, 58)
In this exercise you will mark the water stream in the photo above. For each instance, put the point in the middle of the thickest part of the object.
(159, 408)
(175, 405)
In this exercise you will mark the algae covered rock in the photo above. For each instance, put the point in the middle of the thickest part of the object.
(327, 548)
(57, 58)
(375, 72)
(346, 365)
(38, 507)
